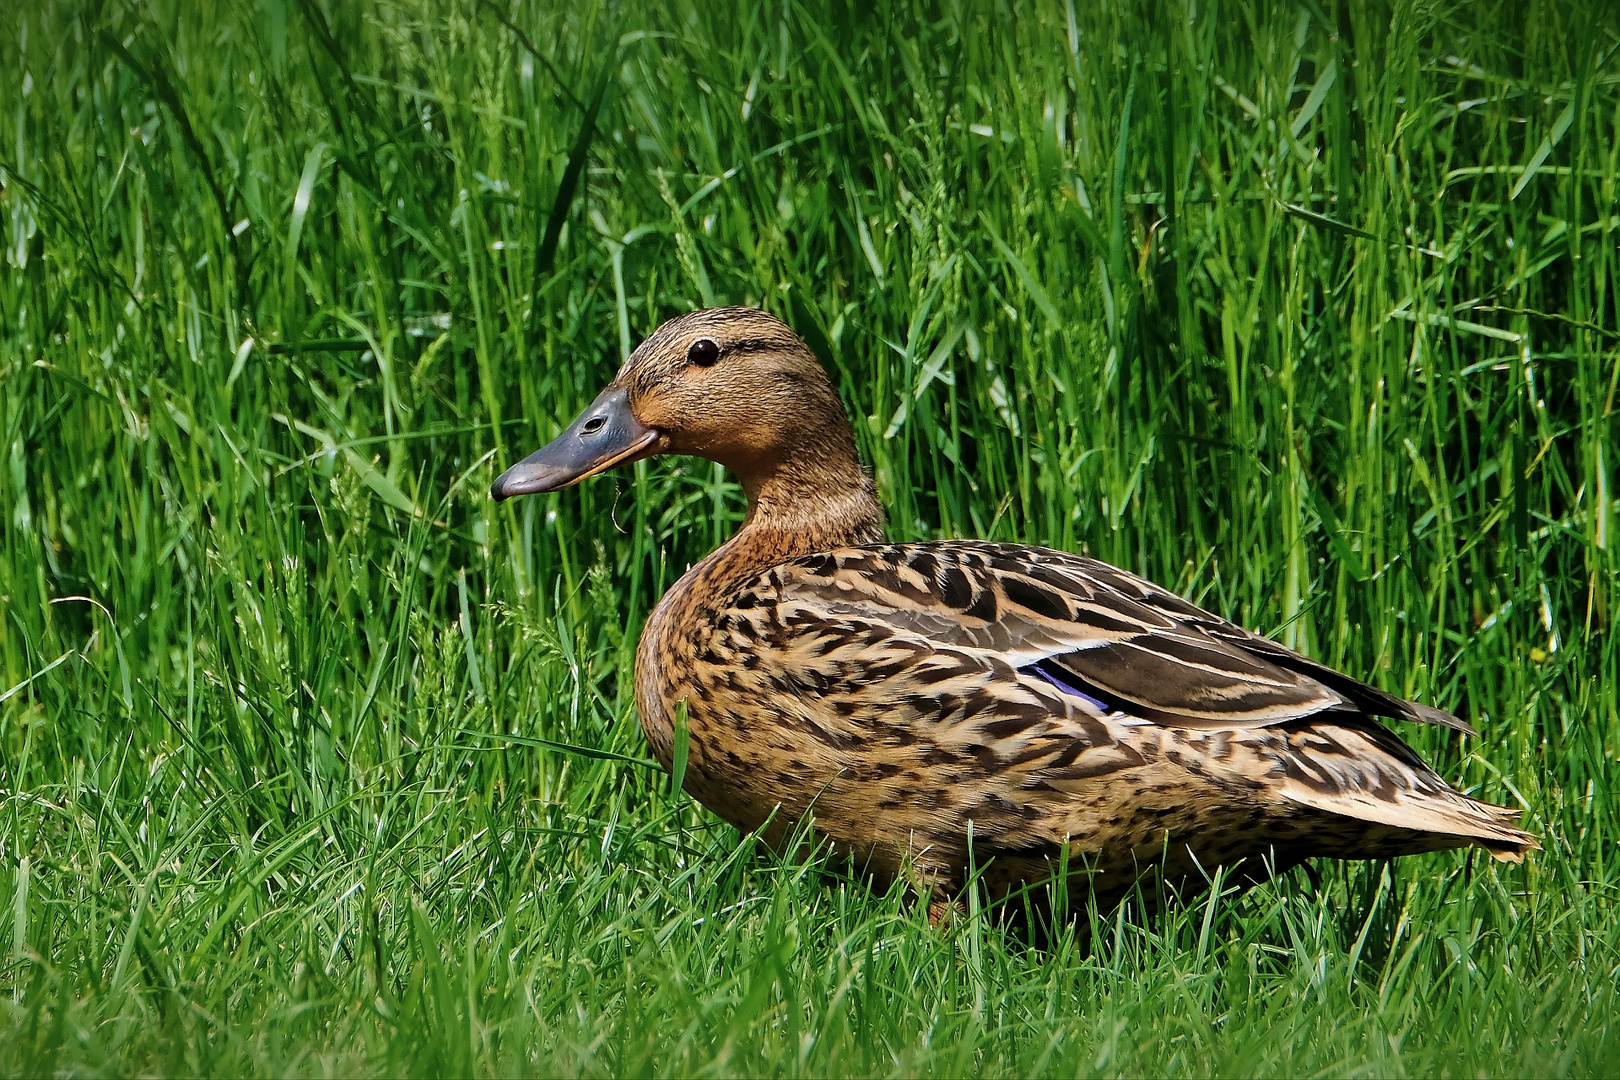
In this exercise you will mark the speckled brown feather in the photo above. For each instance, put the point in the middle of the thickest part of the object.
(854, 685)
(905, 696)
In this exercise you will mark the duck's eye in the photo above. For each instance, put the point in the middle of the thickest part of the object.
(704, 352)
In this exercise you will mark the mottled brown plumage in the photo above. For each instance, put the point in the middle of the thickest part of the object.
(903, 695)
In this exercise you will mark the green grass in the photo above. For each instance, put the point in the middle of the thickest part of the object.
(314, 760)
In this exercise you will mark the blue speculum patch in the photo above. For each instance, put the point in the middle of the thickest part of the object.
(1065, 681)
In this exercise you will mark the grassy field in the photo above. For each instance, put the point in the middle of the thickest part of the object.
(314, 760)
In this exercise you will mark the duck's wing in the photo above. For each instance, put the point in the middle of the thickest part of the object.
(1088, 628)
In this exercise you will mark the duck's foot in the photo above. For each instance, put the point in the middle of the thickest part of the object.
(944, 909)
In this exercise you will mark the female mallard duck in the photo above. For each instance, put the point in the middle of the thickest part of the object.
(912, 698)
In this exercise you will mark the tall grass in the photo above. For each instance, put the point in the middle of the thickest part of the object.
(315, 760)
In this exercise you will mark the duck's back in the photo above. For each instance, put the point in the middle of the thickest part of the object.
(1051, 705)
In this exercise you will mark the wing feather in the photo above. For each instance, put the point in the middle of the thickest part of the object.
(1143, 650)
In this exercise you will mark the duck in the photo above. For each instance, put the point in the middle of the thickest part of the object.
(959, 713)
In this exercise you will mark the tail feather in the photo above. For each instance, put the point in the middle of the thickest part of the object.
(1367, 773)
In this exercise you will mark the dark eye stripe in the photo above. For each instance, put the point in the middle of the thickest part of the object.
(748, 345)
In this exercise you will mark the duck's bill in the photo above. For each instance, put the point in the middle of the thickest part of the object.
(604, 435)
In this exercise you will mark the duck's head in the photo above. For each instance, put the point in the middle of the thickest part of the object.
(734, 385)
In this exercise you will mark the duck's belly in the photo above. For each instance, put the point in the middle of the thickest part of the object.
(904, 787)
(766, 770)
(906, 755)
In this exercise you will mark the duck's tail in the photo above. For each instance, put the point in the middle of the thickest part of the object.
(1366, 773)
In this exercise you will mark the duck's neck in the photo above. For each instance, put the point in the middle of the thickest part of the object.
(814, 502)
